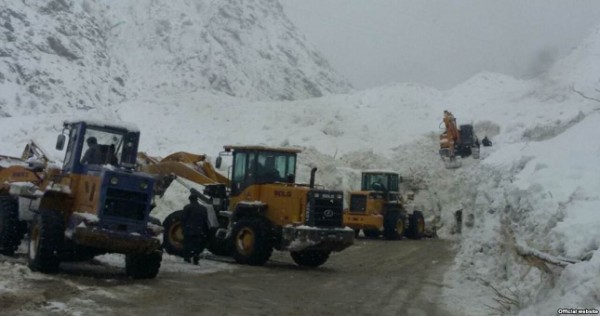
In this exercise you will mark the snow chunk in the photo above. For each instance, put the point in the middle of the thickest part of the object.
(87, 217)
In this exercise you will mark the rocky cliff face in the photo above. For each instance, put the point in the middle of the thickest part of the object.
(53, 58)
(63, 55)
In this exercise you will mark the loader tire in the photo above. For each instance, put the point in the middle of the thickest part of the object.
(393, 224)
(416, 226)
(252, 241)
(310, 258)
(143, 266)
(11, 232)
(173, 234)
(46, 239)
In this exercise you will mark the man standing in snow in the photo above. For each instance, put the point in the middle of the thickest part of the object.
(194, 221)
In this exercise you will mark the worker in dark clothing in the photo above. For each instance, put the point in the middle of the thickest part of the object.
(486, 142)
(194, 220)
(377, 184)
(92, 155)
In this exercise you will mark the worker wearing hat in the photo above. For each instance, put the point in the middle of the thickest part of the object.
(194, 221)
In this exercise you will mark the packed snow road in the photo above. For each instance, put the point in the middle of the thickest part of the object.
(374, 277)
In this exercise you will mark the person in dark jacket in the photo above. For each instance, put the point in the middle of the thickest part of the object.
(194, 221)
(486, 142)
(92, 155)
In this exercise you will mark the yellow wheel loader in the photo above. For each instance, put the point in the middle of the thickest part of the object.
(260, 208)
(92, 203)
(378, 209)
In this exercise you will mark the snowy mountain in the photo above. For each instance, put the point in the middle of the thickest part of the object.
(243, 48)
(64, 55)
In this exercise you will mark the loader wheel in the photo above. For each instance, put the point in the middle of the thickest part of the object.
(143, 266)
(393, 225)
(416, 226)
(46, 239)
(310, 258)
(173, 234)
(10, 228)
(371, 233)
(356, 232)
(252, 241)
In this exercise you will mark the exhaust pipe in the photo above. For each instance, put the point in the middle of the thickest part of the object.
(312, 177)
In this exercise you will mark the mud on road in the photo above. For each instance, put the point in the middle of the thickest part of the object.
(373, 277)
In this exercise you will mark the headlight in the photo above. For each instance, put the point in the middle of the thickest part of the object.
(114, 180)
(144, 185)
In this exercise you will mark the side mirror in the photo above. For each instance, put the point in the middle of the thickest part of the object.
(218, 162)
(60, 142)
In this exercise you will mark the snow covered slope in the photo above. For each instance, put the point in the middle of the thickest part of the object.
(53, 58)
(244, 48)
(62, 55)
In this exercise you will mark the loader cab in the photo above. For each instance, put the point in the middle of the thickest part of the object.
(93, 145)
(103, 182)
(380, 181)
(261, 165)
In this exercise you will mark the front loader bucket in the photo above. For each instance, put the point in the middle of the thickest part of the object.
(475, 153)
(452, 163)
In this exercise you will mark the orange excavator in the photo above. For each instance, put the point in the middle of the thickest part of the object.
(456, 141)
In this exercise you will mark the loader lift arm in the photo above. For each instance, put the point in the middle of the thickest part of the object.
(192, 167)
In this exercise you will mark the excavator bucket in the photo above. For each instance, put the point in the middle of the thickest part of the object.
(450, 160)
(452, 163)
(475, 152)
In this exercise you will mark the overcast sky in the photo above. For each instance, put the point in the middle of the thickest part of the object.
(441, 42)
